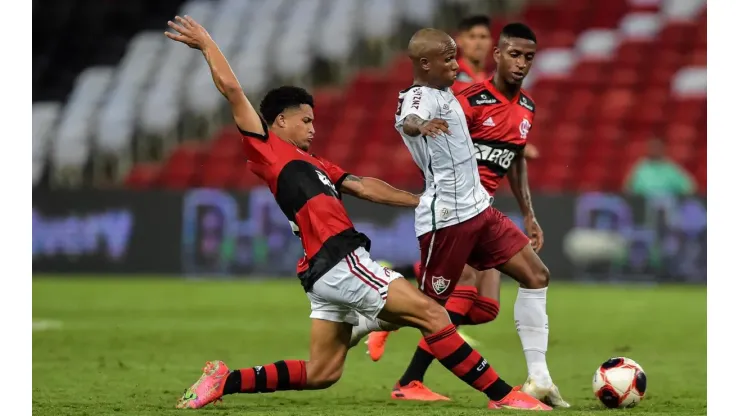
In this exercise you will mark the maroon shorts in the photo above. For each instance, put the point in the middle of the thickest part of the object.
(485, 241)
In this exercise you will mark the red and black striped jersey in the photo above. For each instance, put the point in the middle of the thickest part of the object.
(306, 189)
(498, 127)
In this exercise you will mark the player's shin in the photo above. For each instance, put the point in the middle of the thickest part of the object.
(530, 315)
(281, 375)
(407, 305)
(466, 363)
(458, 305)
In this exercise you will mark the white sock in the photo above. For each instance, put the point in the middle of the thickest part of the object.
(366, 326)
(530, 315)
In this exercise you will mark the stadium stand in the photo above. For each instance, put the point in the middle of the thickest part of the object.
(608, 77)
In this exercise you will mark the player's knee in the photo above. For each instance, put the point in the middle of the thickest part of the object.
(538, 278)
(322, 376)
(434, 316)
(468, 277)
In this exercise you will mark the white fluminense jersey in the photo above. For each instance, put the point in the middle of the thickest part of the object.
(453, 191)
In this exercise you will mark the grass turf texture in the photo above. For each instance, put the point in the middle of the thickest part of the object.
(133, 346)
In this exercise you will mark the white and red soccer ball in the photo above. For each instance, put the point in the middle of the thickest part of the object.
(620, 382)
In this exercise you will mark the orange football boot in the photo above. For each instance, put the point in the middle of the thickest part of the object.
(518, 400)
(416, 390)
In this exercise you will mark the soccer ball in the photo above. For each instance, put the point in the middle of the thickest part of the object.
(620, 382)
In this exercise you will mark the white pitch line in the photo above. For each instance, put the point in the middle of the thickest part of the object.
(46, 325)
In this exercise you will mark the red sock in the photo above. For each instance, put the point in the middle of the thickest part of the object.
(483, 310)
(459, 304)
(461, 300)
(460, 358)
(282, 375)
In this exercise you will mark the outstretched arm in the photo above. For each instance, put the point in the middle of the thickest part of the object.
(520, 187)
(375, 190)
(191, 33)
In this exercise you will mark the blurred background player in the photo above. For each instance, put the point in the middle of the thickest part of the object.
(474, 47)
(499, 117)
(344, 285)
(657, 175)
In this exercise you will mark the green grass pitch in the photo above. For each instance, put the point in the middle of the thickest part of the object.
(130, 347)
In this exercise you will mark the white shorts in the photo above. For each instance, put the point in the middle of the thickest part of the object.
(355, 286)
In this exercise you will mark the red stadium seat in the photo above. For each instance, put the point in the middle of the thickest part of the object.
(592, 124)
(143, 176)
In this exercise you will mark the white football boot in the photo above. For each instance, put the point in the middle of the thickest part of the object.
(548, 395)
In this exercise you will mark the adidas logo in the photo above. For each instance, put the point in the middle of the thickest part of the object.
(489, 122)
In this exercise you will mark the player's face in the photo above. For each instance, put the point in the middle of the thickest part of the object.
(514, 58)
(298, 125)
(442, 65)
(475, 43)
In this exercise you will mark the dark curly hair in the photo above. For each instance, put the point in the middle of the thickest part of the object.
(518, 30)
(278, 100)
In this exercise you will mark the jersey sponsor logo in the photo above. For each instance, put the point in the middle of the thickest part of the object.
(326, 181)
(526, 103)
(482, 98)
(416, 99)
(524, 127)
(489, 122)
(440, 284)
(500, 157)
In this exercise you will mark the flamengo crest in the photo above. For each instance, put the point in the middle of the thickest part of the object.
(524, 128)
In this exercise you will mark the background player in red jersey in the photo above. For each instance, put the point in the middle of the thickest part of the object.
(341, 281)
(499, 116)
(474, 42)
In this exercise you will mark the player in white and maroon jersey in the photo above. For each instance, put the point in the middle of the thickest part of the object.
(499, 117)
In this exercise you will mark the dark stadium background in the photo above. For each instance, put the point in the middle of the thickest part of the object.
(140, 186)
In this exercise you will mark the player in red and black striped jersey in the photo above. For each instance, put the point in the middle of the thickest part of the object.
(350, 294)
(499, 116)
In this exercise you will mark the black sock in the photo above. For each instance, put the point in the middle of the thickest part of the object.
(418, 366)
(422, 359)
(233, 383)
(498, 390)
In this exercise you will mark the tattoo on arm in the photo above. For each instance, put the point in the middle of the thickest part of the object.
(411, 124)
(353, 178)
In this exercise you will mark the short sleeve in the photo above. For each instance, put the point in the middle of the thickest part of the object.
(336, 174)
(256, 147)
(417, 101)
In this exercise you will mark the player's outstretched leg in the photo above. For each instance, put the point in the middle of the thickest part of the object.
(407, 306)
(411, 384)
(468, 305)
(530, 315)
(329, 345)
